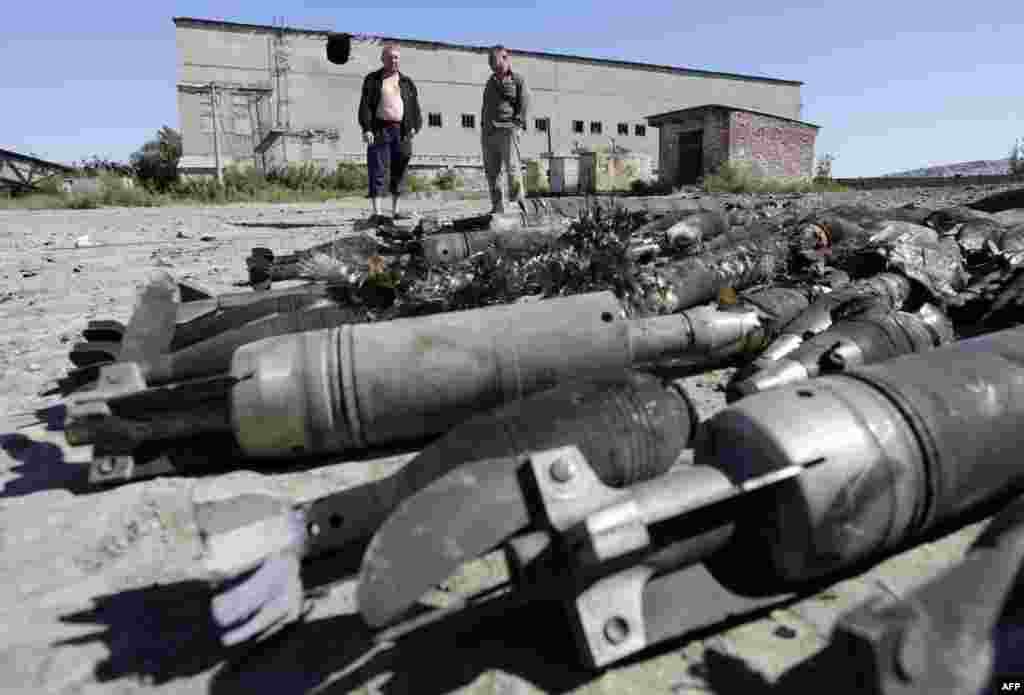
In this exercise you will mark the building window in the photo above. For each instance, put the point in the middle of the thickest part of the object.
(434, 120)
(206, 123)
(640, 131)
(577, 126)
(595, 127)
(623, 129)
(541, 125)
(468, 120)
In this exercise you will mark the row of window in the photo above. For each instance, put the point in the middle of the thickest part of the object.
(541, 125)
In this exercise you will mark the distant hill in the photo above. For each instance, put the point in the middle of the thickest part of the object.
(981, 167)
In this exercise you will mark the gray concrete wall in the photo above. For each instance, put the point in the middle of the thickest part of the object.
(314, 94)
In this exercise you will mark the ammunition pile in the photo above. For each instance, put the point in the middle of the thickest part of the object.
(878, 397)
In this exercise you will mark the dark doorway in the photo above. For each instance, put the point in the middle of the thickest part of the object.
(691, 155)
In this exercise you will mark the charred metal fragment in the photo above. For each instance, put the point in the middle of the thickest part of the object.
(870, 337)
(885, 292)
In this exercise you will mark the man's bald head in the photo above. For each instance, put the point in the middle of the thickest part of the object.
(389, 56)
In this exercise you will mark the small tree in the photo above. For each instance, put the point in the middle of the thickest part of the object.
(823, 171)
(156, 162)
(97, 166)
(1016, 159)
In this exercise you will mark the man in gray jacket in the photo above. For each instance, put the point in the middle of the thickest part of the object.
(503, 116)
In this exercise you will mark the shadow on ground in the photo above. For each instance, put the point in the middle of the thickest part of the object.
(164, 633)
(41, 464)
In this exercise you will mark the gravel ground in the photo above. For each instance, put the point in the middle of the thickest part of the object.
(100, 586)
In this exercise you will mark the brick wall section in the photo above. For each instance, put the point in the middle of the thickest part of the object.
(774, 146)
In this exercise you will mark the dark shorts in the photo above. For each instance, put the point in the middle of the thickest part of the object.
(387, 154)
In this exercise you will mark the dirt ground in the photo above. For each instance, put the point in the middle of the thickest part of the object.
(101, 586)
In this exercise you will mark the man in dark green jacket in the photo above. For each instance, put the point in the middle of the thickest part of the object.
(389, 116)
(503, 116)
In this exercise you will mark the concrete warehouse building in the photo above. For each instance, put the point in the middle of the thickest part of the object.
(267, 96)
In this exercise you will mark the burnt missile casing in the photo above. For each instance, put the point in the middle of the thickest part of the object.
(104, 330)
(213, 356)
(901, 448)
(692, 231)
(884, 291)
(946, 219)
(265, 267)
(755, 232)
(361, 385)
(854, 220)
(869, 338)
(663, 221)
(94, 352)
(204, 319)
(699, 279)
(259, 264)
(452, 247)
(979, 236)
(853, 226)
(1011, 244)
(473, 223)
(774, 307)
(263, 270)
(631, 421)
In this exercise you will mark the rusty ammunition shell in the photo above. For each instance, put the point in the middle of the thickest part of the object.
(361, 385)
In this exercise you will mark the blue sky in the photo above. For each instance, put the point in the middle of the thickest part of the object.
(895, 85)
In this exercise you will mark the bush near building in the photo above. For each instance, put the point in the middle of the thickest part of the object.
(740, 177)
(536, 181)
(448, 180)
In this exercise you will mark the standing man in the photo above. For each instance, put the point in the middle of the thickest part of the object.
(389, 116)
(505, 109)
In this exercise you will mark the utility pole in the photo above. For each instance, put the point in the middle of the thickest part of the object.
(216, 134)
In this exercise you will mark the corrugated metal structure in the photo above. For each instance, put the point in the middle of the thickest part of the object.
(265, 95)
(22, 172)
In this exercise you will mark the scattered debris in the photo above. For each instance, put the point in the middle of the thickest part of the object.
(965, 268)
